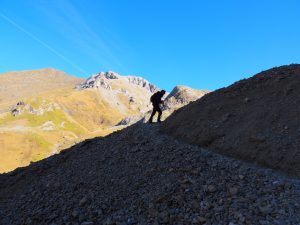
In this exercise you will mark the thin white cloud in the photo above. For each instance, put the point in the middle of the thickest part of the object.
(98, 46)
(34, 37)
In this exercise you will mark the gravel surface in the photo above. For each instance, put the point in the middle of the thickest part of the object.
(142, 176)
(255, 119)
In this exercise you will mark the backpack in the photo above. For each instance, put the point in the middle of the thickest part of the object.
(153, 97)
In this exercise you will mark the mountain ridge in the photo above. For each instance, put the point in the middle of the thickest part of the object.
(21, 84)
(59, 116)
(98, 80)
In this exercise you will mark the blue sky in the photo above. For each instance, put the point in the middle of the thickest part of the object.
(202, 44)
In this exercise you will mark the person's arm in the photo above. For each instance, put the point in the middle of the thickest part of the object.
(160, 99)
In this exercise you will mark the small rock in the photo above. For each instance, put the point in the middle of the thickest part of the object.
(87, 223)
(233, 190)
(130, 221)
(241, 177)
(164, 217)
(231, 223)
(28, 221)
(287, 186)
(75, 213)
(204, 205)
(246, 100)
(56, 185)
(265, 209)
(211, 188)
(108, 221)
(199, 220)
(83, 201)
(99, 212)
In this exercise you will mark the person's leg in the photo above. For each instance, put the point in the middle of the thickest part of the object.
(152, 114)
(159, 114)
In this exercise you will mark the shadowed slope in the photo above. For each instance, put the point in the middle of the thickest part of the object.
(255, 119)
(140, 176)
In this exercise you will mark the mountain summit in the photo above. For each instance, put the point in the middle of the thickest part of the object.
(103, 79)
(181, 96)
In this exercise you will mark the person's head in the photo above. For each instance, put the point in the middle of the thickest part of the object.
(162, 92)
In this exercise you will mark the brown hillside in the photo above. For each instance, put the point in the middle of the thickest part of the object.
(255, 119)
(58, 115)
(22, 84)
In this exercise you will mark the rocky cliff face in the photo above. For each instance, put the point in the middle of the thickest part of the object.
(181, 96)
(104, 79)
(23, 107)
(121, 92)
(143, 83)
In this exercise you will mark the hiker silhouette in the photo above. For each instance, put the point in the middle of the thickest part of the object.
(156, 100)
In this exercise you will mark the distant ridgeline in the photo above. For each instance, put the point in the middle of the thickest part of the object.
(45, 111)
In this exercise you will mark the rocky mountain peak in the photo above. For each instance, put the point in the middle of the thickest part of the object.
(109, 75)
(105, 79)
(142, 82)
(179, 91)
(183, 95)
(96, 81)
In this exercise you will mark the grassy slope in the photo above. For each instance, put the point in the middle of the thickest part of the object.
(74, 115)
(78, 115)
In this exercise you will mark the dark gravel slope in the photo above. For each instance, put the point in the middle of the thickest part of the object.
(256, 119)
(140, 176)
